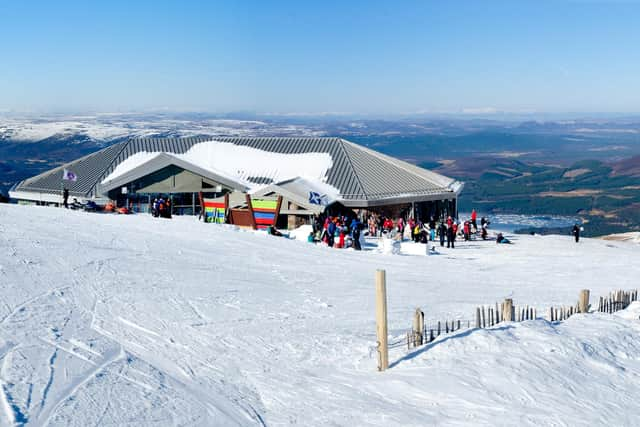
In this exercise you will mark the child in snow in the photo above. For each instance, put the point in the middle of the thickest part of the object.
(502, 239)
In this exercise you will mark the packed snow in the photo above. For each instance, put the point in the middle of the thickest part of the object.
(131, 320)
(241, 163)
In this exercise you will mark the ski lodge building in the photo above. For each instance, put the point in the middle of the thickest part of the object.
(307, 176)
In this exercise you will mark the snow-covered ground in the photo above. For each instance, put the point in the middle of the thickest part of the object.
(130, 320)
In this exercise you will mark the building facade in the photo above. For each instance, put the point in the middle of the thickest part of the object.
(311, 175)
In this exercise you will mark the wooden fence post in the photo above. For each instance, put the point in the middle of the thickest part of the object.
(478, 324)
(583, 302)
(507, 313)
(418, 326)
(381, 320)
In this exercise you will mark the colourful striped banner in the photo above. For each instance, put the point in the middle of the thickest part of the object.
(264, 212)
(214, 212)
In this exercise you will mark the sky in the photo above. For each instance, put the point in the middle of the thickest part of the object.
(321, 57)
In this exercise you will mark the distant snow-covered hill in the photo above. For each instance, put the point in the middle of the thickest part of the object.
(107, 127)
(32, 144)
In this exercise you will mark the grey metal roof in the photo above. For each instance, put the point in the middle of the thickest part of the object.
(363, 176)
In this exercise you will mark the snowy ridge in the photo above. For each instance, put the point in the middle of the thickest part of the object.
(108, 319)
(111, 127)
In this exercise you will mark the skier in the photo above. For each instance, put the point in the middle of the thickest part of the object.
(474, 217)
(576, 232)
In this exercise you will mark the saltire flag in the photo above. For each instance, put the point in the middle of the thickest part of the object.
(317, 198)
(67, 175)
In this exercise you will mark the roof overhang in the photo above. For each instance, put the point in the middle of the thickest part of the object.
(398, 199)
(299, 199)
(161, 161)
(36, 196)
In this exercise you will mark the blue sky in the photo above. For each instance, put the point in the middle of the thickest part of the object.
(327, 56)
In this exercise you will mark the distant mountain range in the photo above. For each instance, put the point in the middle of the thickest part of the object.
(586, 167)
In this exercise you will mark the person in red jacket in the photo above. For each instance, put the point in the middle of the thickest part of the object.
(467, 230)
(388, 225)
(341, 240)
(474, 217)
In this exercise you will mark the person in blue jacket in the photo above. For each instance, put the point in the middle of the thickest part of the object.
(331, 229)
(355, 233)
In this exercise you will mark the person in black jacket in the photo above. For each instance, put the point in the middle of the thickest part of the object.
(65, 198)
(442, 231)
(576, 232)
(451, 236)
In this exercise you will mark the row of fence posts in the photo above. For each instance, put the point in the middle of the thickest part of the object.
(617, 300)
(421, 334)
(485, 316)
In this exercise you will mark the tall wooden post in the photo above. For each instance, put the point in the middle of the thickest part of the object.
(418, 327)
(583, 302)
(381, 320)
(507, 313)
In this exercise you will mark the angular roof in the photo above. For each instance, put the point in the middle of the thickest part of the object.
(363, 177)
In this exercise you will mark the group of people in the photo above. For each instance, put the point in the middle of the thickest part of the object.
(337, 231)
(446, 230)
(161, 208)
(342, 231)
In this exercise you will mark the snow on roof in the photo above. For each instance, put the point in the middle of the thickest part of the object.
(242, 163)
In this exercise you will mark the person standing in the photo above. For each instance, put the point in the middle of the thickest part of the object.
(451, 237)
(331, 229)
(65, 198)
(355, 233)
(474, 217)
(401, 227)
(442, 231)
(576, 232)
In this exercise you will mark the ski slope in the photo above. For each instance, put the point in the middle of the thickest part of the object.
(131, 320)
